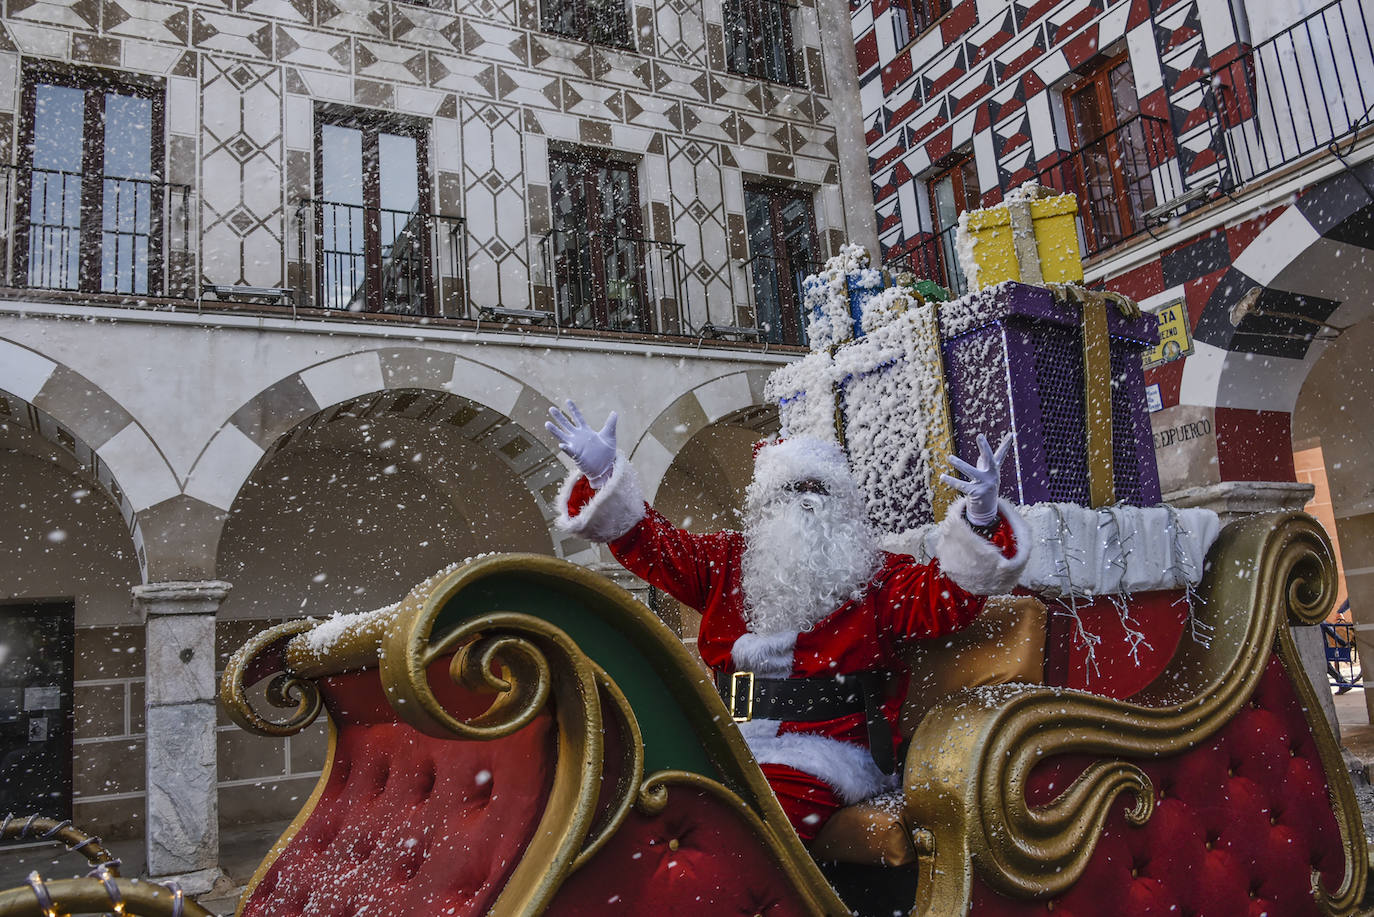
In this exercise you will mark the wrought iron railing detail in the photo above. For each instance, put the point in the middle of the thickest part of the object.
(97, 234)
(775, 289)
(615, 283)
(355, 258)
(1119, 179)
(1298, 91)
(936, 258)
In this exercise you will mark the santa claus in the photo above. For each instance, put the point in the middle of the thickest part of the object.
(804, 617)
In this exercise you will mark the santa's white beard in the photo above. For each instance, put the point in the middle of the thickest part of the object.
(801, 563)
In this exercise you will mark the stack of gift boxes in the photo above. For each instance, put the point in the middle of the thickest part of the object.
(902, 381)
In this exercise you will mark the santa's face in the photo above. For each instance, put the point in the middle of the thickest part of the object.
(808, 549)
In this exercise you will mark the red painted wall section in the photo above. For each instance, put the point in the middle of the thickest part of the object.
(1254, 445)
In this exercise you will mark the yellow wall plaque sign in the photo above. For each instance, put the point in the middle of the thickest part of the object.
(1174, 339)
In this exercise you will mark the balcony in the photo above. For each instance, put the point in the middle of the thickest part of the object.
(97, 235)
(1298, 93)
(934, 258)
(1302, 90)
(615, 283)
(1120, 178)
(353, 258)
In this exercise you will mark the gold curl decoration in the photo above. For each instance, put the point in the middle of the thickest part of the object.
(261, 656)
(525, 662)
(973, 755)
(38, 828)
(93, 896)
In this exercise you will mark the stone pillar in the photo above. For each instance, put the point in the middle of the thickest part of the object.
(182, 828)
(1232, 500)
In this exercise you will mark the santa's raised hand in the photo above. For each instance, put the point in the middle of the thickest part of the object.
(981, 482)
(592, 450)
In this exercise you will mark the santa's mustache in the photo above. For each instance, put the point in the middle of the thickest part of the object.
(805, 554)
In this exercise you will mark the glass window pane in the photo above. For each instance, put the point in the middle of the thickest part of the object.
(58, 112)
(764, 264)
(946, 205)
(1123, 92)
(1087, 114)
(128, 136)
(341, 153)
(399, 169)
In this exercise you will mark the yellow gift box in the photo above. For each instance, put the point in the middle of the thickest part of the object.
(1033, 239)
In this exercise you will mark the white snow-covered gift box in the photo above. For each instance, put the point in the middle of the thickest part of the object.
(1060, 367)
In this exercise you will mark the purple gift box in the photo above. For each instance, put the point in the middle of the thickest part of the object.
(1013, 358)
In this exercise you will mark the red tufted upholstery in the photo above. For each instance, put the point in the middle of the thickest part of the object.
(1162, 616)
(409, 824)
(696, 858)
(1239, 825)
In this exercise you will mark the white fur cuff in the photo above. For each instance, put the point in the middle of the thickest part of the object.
(975, 564)
(847, 768)
(765, 654)
(612, 511)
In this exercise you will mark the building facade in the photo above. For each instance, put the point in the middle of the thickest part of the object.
(288, 289)
(1220, 151)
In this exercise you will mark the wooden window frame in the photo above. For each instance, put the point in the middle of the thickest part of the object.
(1098, 79)
(588, 162)
(372, 122)
(95, 83)
(789, 301)
(956, 170)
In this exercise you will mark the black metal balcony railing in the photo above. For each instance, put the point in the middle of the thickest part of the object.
(615, 283)
(1119, 178)
(779, 303)
(97, 234)
(1297, 92)
(368, 259)
(935, 258)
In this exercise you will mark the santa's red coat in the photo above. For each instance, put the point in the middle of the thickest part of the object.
(905, 601)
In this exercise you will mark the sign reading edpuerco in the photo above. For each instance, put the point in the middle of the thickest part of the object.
(1174, 339)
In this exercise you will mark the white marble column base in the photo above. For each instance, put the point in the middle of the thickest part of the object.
(192, 883)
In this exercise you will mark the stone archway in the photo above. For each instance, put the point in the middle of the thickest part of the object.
(258, 427)
(735, 395)
(1267, 321)
(78, 417)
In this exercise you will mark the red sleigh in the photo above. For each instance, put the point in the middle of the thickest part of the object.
(521, 737)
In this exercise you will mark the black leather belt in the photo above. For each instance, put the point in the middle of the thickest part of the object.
(812, 700)
(807, 700)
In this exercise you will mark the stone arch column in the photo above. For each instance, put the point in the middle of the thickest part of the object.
(72, 412)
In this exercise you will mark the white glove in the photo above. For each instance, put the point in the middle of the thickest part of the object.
(592, 451)
(983, 481)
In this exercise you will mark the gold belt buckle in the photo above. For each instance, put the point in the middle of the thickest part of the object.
(748, 692)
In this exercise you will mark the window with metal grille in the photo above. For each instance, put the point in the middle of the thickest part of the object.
(758, 40)
(1112, 145)
(952, 192)
(782, 251)
(89, 196)
(605, 22)
(596, 249)
(371, 216)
